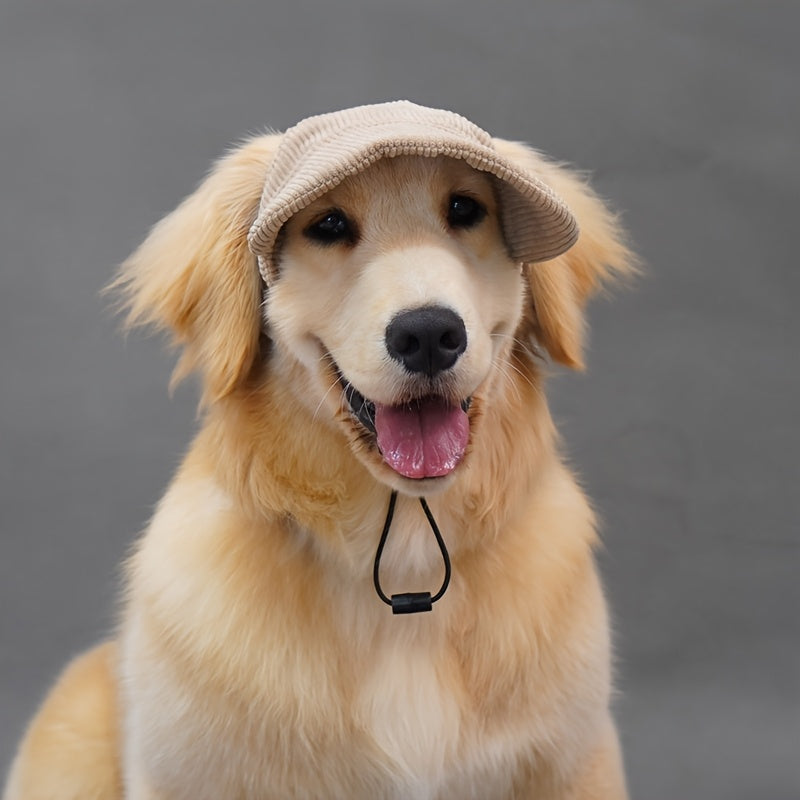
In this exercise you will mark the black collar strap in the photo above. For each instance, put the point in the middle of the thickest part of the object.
(410, 602)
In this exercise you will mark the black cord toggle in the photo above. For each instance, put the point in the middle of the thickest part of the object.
(410, 602)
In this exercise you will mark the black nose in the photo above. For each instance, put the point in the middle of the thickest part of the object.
(428, 339)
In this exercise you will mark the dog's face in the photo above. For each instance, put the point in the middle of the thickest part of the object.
(396, 314)
(395, 292)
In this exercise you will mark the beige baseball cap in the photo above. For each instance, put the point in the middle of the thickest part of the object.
(320, 152)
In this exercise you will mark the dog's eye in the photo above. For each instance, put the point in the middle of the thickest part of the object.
(332, 227)
(464, 211)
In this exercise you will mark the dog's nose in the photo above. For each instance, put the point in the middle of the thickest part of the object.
(428, 339)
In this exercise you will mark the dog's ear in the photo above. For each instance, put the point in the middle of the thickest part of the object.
(560, 288)
(195, 276)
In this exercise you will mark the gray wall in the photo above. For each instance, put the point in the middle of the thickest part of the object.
(683, 428)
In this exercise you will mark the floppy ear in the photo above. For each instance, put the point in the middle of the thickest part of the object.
(561, 287)
(195, 276)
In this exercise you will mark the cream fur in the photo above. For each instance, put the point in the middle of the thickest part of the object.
(253, 658)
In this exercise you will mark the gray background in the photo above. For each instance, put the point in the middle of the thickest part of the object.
(684, 427)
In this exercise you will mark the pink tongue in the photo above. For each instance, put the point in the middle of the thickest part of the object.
(423, 440)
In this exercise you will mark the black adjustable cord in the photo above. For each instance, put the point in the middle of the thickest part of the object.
(410, 602)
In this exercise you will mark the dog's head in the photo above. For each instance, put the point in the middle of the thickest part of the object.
(394, 309)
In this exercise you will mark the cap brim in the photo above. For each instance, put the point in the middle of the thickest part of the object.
(536, 223)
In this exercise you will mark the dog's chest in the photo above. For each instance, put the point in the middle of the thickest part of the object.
(408, 732)
(405, 735)
(357, 704)
(407, 706)
(417, 714)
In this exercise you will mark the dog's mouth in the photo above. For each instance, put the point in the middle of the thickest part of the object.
(424, 438)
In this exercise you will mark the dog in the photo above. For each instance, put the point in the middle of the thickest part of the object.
(376, 346)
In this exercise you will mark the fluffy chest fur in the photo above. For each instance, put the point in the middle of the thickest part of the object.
(248, 671)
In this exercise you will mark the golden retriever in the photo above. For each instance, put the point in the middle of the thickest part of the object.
(254, 658)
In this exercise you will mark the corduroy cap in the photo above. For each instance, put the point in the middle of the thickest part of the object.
(319, 152)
